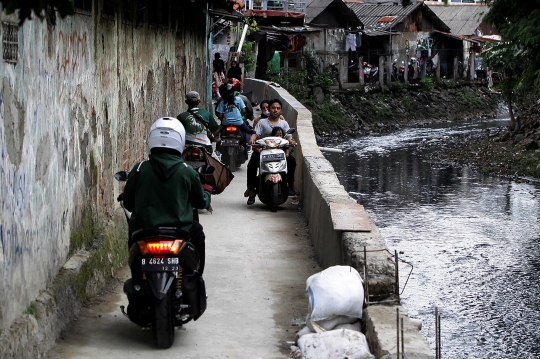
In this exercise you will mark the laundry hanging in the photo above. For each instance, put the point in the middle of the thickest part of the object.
(350, 42)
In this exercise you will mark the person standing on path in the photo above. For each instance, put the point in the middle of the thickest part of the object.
(235, 72)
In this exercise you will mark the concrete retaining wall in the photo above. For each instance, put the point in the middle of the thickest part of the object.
(319, 188)
(76, 104)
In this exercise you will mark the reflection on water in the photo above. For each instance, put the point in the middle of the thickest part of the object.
(473, 240)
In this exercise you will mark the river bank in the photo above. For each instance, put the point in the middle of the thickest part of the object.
(512, 151)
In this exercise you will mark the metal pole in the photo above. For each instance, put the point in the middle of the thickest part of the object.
(439, 333)
(436, 334)
(402, 341)
(361, 69)
(366, 276)
(242, 39)
(397, 332)
(396, 273)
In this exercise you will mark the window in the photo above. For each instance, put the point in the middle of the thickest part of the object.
(85, 5)
(10, 42)
(109, 9)
(126, 11)
(141, 13)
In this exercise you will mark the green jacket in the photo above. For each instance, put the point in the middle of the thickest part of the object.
(197, 126)
(162, 191)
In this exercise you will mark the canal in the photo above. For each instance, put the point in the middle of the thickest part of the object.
(473, 239)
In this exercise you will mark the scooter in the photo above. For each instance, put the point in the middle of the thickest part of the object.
(233, 147)
(170, 291)
(273, 189)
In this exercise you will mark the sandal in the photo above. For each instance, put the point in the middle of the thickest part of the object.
(251, 200)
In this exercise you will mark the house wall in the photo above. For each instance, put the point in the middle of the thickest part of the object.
(74, 109)
(327, 45)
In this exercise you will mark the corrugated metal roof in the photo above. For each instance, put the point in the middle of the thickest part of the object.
(371, 14)
(462, 19)
(315, 7)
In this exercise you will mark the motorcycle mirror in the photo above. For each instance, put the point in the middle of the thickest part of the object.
(121, 176)
(291, 131)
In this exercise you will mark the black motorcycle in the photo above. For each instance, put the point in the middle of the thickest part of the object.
(232, 147)
(169, 291)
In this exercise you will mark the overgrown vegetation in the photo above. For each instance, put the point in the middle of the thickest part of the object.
(32, 309)
(427, 84)
(86, 232)
(327, 116)
(518, 58)
(247, 48)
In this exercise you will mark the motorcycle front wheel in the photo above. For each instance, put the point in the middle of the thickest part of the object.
(164, 322)
(274, 196)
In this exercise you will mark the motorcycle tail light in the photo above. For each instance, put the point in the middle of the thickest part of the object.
(231, 129)
(160, 247)
(195, 153)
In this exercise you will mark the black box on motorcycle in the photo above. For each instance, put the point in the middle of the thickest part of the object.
(194, 293)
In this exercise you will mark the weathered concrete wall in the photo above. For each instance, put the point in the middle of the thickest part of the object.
(74, 109)
(319, 187)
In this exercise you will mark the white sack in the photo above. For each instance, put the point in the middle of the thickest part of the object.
(335, 344)
(356, 326)
(332, 322)
(333, 292)
(305, 330)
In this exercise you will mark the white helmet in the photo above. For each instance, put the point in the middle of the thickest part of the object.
(167, 132)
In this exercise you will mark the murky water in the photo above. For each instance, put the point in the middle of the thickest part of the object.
(474, 241)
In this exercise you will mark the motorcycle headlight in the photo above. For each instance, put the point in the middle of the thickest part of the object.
(271, 143)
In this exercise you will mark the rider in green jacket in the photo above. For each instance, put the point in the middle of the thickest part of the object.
(162, 191)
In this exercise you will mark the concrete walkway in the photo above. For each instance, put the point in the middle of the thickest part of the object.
(257, 265)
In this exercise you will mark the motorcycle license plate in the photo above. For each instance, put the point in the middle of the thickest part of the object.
(273, 157)
(195, 164)
(164, 264)
(229, 143)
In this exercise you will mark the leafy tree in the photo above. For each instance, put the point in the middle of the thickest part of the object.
(26, 7)
(518, 58)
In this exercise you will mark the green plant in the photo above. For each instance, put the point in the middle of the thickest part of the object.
(247, 47)
(427, 84)
(293, 81)
(406, 101)
(32, 309)
(398, 85)
(470, 98)
(249, 61)
(328, 116)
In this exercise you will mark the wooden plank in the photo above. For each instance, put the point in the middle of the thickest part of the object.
(349, 217)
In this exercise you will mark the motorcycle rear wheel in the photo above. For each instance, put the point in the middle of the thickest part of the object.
(232, 163)
(274, 197)
(164, 323)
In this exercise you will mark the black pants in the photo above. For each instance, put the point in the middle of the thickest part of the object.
(197, 238)
(253, 167)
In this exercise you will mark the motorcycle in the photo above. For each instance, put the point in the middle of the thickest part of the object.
(195, 156)
(233, 147)
(370, 73)
(399, 73)
(170, 291)
(273, 189)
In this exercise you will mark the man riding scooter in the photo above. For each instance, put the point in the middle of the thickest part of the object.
(162, 191)
(264, 128)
